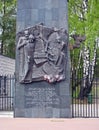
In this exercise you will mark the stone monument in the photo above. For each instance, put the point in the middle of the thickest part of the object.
(42, 60)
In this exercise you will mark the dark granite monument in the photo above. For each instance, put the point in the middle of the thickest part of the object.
(42, 60)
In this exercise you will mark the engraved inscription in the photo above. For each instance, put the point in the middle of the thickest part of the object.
(41, 97)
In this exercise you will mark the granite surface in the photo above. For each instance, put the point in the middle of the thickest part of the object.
(42, 99)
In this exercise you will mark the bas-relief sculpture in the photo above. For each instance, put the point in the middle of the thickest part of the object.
(42, 54)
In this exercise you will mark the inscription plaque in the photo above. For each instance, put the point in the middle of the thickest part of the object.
(41, 97)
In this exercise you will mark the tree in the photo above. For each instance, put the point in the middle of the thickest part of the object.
(8, 27)
(84, 20)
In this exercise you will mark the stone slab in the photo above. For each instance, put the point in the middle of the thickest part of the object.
(42, 99)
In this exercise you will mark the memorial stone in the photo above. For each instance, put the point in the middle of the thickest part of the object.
(42, 60)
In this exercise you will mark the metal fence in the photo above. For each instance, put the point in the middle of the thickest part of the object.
(85, 94)
(85, 99)
(6, 92)
(89, 106)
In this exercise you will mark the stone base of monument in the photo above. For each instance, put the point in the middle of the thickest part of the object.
(42, 100)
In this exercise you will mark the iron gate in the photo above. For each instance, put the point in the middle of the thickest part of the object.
(6, 92)
(85, 99)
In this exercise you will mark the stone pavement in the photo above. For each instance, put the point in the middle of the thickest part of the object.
(49, 124)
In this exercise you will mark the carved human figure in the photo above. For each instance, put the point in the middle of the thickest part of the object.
(29, 59)
(23, 40)
(42, 53)
(54, 67)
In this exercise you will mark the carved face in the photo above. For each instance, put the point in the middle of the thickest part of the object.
(26, 33)
(31, 38)
(36, 32)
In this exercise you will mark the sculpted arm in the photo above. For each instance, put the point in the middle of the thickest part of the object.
(21, 42)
